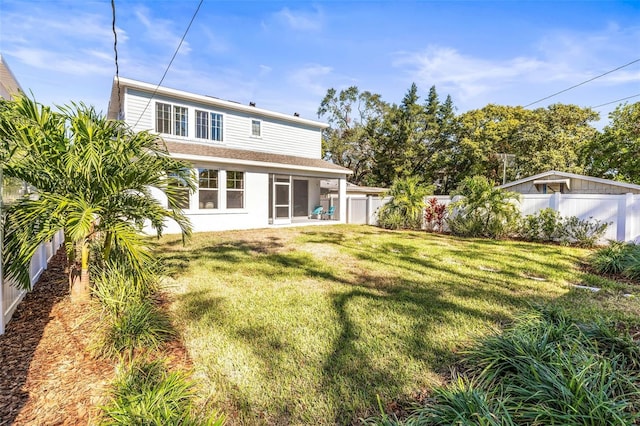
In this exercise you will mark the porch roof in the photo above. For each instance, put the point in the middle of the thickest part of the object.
(202, 152)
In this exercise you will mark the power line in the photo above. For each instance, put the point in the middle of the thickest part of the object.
(170, 62)
(584, 82)
(115, 50)
(616, 101)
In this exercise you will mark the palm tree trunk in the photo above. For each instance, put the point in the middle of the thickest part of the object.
(79, 276)
(107, 245)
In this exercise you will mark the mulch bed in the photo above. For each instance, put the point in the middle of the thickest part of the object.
(47, 373)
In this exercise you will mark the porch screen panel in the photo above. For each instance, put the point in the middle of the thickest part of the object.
(300, 198)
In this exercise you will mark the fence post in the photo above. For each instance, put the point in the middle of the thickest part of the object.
(369, 208)
(629, 218)
(555, 202)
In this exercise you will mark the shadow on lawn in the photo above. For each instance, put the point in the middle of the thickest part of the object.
(349, 369)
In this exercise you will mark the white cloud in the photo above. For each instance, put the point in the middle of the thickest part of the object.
(310, 78)
(79, 64)
(264, 70)
(470, 76)
(161, 31)
(301, 21)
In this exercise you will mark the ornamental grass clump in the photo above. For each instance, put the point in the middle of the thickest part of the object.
(146, 393)
(545, 369)
(618, 258)
(131, 319)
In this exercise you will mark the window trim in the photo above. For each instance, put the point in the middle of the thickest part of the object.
(209, 126)
(259, 121)
(172, 119)
(216, 189)
(236, 190)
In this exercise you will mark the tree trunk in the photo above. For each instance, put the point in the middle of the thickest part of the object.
(79, 278)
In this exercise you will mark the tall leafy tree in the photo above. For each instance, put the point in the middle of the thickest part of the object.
(94, 180)
(353, 118)
(615, 153)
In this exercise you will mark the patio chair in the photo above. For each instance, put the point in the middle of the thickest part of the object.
(317, 212)
(329, 213)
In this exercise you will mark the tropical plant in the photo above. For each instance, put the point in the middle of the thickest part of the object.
(94, 180)
(406, 206)
(435, 215)
(482, 209)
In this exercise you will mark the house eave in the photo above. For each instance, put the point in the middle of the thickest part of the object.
(123, 83)
(264, 164)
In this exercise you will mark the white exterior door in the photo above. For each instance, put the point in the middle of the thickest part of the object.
(281, 208)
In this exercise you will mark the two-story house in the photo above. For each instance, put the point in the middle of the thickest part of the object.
(255, 168)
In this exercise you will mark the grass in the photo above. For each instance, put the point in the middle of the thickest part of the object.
(311, 325)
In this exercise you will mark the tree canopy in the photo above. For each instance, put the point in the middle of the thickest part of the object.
(383, 142)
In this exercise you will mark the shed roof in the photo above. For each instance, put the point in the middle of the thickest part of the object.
(572, 176)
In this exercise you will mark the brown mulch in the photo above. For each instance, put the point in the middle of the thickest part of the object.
(47, 373)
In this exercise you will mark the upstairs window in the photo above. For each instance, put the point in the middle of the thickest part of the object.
(171, 119)
(256, 128)
(209, 125)
(163, 118)
(181, 115)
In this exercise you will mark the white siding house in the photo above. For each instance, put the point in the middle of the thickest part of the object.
(255, 168)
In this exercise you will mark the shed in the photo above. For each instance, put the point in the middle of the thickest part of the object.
(569, 183)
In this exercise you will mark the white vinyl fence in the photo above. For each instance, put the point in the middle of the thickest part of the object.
(12, 295)
(621, 212)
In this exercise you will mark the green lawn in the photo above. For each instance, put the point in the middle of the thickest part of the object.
(308, 325)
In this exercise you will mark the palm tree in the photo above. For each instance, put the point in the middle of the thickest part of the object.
(407, 204)
(483, 210)
(94, 180)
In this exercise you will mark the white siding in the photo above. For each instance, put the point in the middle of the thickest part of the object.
(278, 136)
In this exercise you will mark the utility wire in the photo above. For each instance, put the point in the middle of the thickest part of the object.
(170, 62)
(616, 101)
(584, 82)
(115, 50)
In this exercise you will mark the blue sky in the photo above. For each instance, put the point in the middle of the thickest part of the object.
(285, 55)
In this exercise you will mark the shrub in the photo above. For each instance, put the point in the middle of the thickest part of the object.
(582, 232)
(483, 210)
(434, 215)
(145, 393)
(545, 225)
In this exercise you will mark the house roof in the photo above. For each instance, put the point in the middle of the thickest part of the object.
(121, 83)
(209, 153)
(572, 176)
(8, 82)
